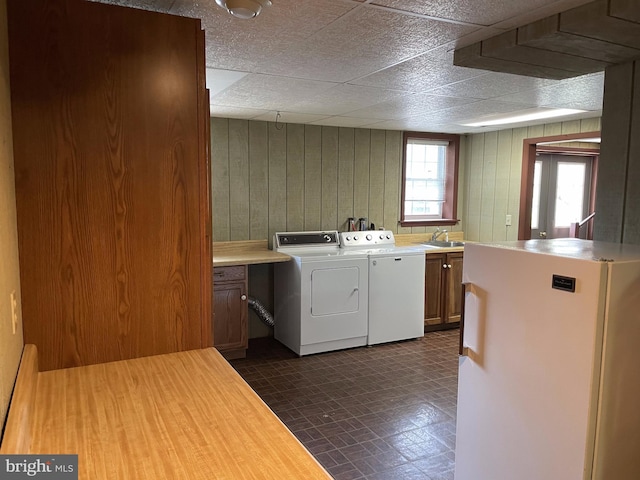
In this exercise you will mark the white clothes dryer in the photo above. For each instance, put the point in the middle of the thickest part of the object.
(321, 295)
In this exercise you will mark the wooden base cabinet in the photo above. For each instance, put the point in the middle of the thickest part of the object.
(443, 284)
(230, 317)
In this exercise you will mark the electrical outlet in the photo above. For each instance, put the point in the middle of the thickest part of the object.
(508, 221)
(14, 312)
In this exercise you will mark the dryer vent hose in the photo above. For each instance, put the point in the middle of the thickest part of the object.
(261, 311)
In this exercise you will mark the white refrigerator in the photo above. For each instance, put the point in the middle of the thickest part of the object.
(549, 372)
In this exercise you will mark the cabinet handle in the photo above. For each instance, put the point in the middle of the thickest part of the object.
(243, 297)
(444, 265)
(449, 266)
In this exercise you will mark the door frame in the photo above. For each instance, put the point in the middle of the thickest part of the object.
(529, 149)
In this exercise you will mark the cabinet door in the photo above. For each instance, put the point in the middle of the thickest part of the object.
(230, 319)
(111, 181)
(433, 292)
(453, 287)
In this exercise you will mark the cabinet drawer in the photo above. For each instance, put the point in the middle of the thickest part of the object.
(229, 274)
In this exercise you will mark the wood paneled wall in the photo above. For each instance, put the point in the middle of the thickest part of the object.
(109, 111)
(618, 200)
(10, 343)
(493, 163)
(302, 177)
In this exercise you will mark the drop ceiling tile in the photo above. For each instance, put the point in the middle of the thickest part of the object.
(473, 111)
(583, 93)
(374, 52)
(343, 121)
(343, 98)
(491, 85)
(289, 117)
(418, 74)
(234, 112)
(252, 45)
(413, 124)
(152, 5)
(362, 42)
(220, 80)
(269, 92)
(481, 12)
(409, 105)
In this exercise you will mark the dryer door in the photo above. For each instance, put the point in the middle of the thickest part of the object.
(335, 298)
(335, 290)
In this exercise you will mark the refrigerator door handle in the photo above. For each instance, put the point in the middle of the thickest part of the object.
(462, 350)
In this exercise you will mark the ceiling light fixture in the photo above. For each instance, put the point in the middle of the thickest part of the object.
(522, 116)
(244, 9)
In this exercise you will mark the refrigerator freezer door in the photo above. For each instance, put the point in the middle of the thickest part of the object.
(528, 387)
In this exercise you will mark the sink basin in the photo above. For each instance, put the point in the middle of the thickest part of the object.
(443, 244)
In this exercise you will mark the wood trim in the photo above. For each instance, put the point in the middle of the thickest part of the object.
(560, 138)
(204, 166)
(429, 223)
(526, 189)
(17, 434)
(568, 150)
(529, 149)
(450, 207)
(592, 199)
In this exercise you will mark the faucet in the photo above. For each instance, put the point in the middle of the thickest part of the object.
(437, 233)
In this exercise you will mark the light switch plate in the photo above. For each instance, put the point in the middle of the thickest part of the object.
(508, 221)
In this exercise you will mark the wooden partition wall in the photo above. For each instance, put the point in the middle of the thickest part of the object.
(110, 123)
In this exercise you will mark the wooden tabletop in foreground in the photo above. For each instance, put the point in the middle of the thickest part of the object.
(184, 415)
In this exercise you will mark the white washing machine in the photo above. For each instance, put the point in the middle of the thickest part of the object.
(321, 295)
(396, 285)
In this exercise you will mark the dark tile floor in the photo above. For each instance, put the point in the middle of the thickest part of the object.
(385, 412)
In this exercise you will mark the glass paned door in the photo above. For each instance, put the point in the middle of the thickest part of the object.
(561, 189)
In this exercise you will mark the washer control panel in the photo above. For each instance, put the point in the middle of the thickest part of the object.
(367, 238)
(306, 239)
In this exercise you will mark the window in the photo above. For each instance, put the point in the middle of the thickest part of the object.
(429, 179)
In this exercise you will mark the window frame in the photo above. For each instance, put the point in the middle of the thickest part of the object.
(450, 205)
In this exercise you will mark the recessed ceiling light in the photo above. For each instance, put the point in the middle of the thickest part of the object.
(522, 116)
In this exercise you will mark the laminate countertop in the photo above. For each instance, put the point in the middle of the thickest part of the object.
(418, 239)
(185, 415)
(248, 252)
(252, 252)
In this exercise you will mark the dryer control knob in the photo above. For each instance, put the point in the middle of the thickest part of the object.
(369, 237)
(355, 238)
(381, 237)
(347, 238)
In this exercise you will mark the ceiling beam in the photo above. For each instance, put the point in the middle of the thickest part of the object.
(582, 40)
